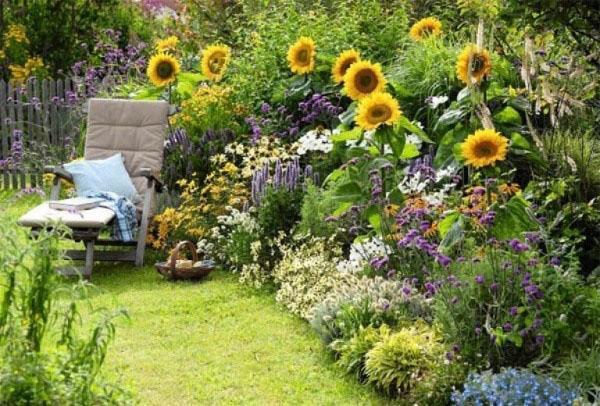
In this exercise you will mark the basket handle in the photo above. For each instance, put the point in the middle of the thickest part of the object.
(175, 253)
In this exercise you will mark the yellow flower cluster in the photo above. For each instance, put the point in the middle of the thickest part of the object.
(203, 101)
(15, 34)
(266, 150)
(20, 73)
(199, 207)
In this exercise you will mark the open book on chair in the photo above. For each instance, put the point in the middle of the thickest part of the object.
(76, 203)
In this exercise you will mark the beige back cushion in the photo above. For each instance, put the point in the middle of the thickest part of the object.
(136, 129)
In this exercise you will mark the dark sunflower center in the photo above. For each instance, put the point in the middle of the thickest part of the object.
(303, 57)
(379, 114)
(477, 63)
(217, 60)
(164, 70)
(347, 63)
(486, 149)
(366, 81)
(426, 30)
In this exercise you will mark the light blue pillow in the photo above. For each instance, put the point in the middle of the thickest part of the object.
(102, 175)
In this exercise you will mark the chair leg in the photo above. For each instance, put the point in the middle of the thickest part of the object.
(89, 259)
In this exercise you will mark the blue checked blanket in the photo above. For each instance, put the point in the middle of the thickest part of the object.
(125, 223)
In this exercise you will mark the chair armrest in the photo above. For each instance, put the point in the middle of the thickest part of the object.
(59, 172)
(153, 176)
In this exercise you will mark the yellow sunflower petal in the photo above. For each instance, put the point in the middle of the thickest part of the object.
(215, 59)
(362, 79)
(473, 64)
(343, 63)
(424, 28)
(301, 56)
(377, 109)
(162, 69)
(484, 148)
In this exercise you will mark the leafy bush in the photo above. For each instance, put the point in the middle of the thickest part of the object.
(353, 351)
(402, 359)
(43, 359)
(316, 206)
(279, 211)
(512, 387)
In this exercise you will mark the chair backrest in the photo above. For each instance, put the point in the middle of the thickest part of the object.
(134, 128)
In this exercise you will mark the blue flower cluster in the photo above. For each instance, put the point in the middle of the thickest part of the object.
(512, 387)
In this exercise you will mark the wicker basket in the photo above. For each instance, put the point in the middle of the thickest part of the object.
(170, 269)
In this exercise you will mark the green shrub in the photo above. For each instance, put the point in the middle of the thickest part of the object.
(279, 211)
(43, 360)
(353, 351)
(316, 206)
(397, 363)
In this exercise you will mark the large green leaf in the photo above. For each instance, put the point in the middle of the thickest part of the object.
(445, 151)
(348, 192)
(410, 151)
(347, 117)
(447, 222)
(149, 93)
(410, 127)
(373, 214)
(513, 218)
(350, 135)
(454, 232)
(508, 115)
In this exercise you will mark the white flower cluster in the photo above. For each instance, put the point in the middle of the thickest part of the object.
(237, 218)
(435, 101)
(361, 253)
(315, 140)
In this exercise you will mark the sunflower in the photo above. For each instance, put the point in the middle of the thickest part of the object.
(215, 59)
(168, 44)
(484, 148)
(424, 28)
(342, 63)
(301, 56)
(474, 63)
(162, 69)
(363, 78)
(377, 109)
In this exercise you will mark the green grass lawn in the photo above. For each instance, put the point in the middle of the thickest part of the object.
(212, 342)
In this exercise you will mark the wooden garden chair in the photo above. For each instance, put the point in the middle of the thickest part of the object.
(136, 129)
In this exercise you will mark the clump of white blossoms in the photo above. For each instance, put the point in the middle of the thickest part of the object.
(361, 253)
(435, 101)
(315, 140)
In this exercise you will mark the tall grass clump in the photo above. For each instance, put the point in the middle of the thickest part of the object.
(44, 357)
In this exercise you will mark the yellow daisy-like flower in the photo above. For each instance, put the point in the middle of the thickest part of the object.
(484, 148)
(168, 44)
(342, 63)
(301, 56)
(162, 69)
(362, 79)
(473, 64)
(377, 109)
(424, 28)
(215, 59)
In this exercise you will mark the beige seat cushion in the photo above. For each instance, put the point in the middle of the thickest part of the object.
(134, 128)
(43, 215)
